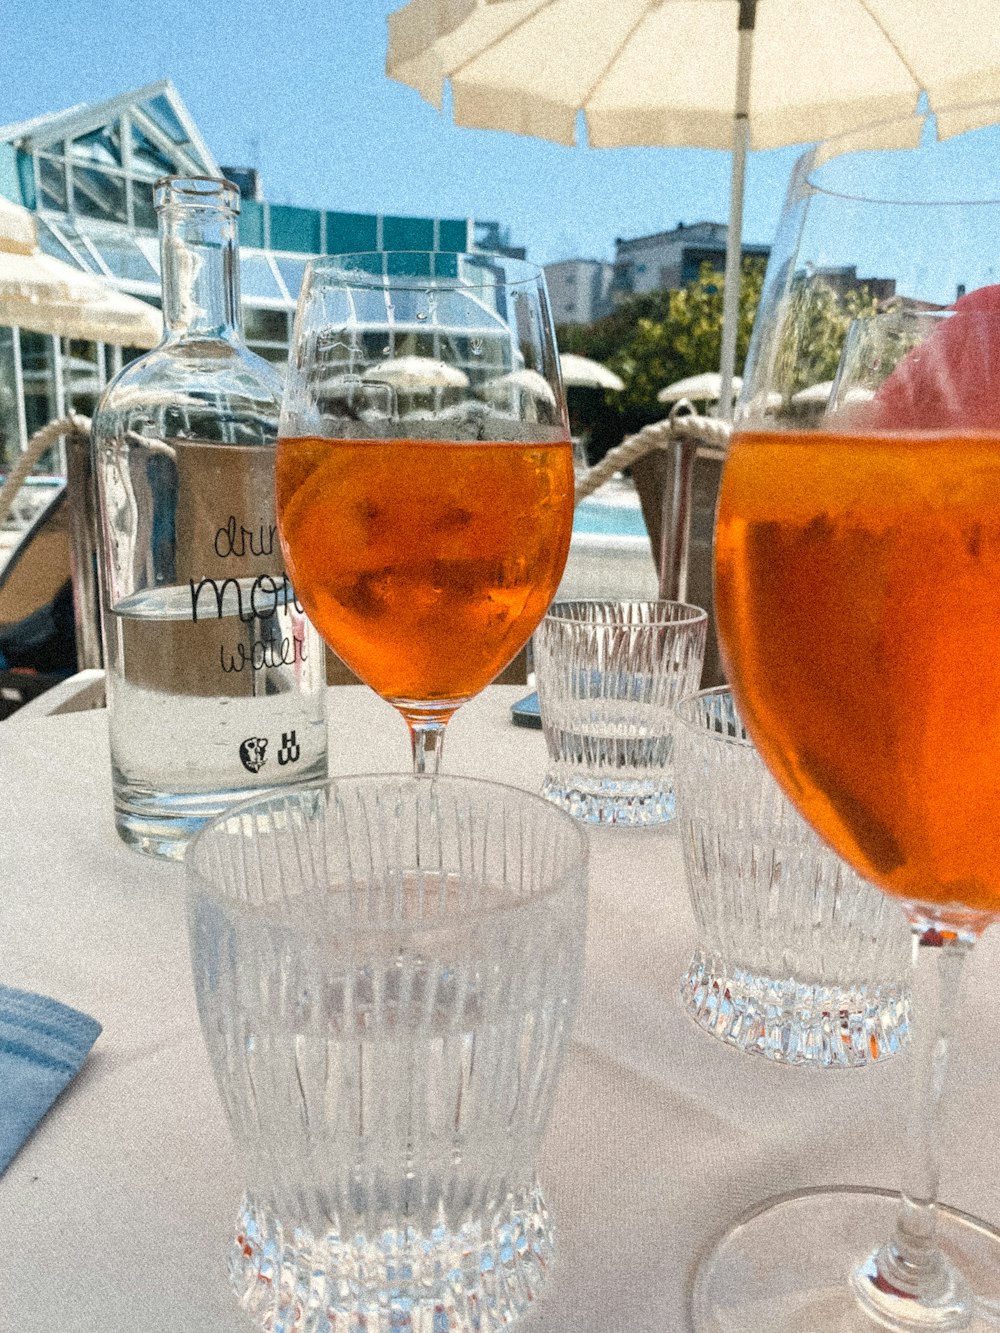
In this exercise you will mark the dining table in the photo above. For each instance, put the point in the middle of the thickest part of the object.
(117, 1214)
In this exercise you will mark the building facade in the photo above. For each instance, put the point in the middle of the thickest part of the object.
(87, 175)
(579, 290)
(670, 259)
(844, 280)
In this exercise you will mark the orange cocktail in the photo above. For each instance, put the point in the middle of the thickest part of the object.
(425, 564)
(858, 598)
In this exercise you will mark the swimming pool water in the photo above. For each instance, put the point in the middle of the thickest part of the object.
(599, 518)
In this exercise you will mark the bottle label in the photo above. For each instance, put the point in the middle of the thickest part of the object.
(266, 603)
(253, 751)
(217, 681)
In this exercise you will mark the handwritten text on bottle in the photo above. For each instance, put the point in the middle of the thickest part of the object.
(257, 601)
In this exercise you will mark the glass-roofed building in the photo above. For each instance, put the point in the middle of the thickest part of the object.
(87, 175)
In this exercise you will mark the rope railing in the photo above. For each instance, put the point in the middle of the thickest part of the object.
(82, 523)
(42, 440)
(682, 424)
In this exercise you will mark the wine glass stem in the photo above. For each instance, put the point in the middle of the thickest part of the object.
(427, 739)
(909, 1270)
(938, 967)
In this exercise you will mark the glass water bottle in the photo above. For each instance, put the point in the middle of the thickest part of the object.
(215, 677)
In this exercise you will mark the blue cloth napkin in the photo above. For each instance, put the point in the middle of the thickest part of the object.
(42, 1045)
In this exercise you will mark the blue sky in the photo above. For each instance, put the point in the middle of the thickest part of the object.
(297, 88)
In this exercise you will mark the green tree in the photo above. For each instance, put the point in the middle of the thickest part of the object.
(811, 337)
(656, 338)
(660, 337)
(687, 340)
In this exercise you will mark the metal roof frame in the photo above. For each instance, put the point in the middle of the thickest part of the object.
(43, 131)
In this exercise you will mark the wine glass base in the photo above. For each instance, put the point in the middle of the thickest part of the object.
(787, 1266)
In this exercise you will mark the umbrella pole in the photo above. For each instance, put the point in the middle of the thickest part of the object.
(741, 144)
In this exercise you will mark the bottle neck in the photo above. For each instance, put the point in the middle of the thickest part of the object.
(199, 258)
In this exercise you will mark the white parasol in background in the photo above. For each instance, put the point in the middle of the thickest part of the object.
(730, 74)
(416, 374)
(704, 388)
(818, 395)
(814, 394)
(525, 381)
(581, 372)
(45, 295)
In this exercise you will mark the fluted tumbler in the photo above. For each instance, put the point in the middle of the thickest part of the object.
(799, 960)
(609, 675)
(386, 971)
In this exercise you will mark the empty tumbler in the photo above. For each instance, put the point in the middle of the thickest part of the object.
(800, 959)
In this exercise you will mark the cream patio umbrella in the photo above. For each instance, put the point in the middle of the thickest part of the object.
(45, 295)
(731, 74)
(417, 374)
(818, 395)
(580, 372)
(524, 381)
(704, 388)
(814, 395)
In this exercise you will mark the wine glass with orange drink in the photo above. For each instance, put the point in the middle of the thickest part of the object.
(858, 601)
(425, 472)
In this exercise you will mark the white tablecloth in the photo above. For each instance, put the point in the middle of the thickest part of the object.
(116, 1216)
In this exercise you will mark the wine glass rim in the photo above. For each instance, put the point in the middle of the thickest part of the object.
(853, 143)
(472, 270)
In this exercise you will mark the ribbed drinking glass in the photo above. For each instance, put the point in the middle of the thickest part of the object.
(609, 675)
(386, 971)
(800, 960)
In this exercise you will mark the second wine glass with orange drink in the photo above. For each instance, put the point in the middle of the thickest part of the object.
(857, 557)
(425, 472)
